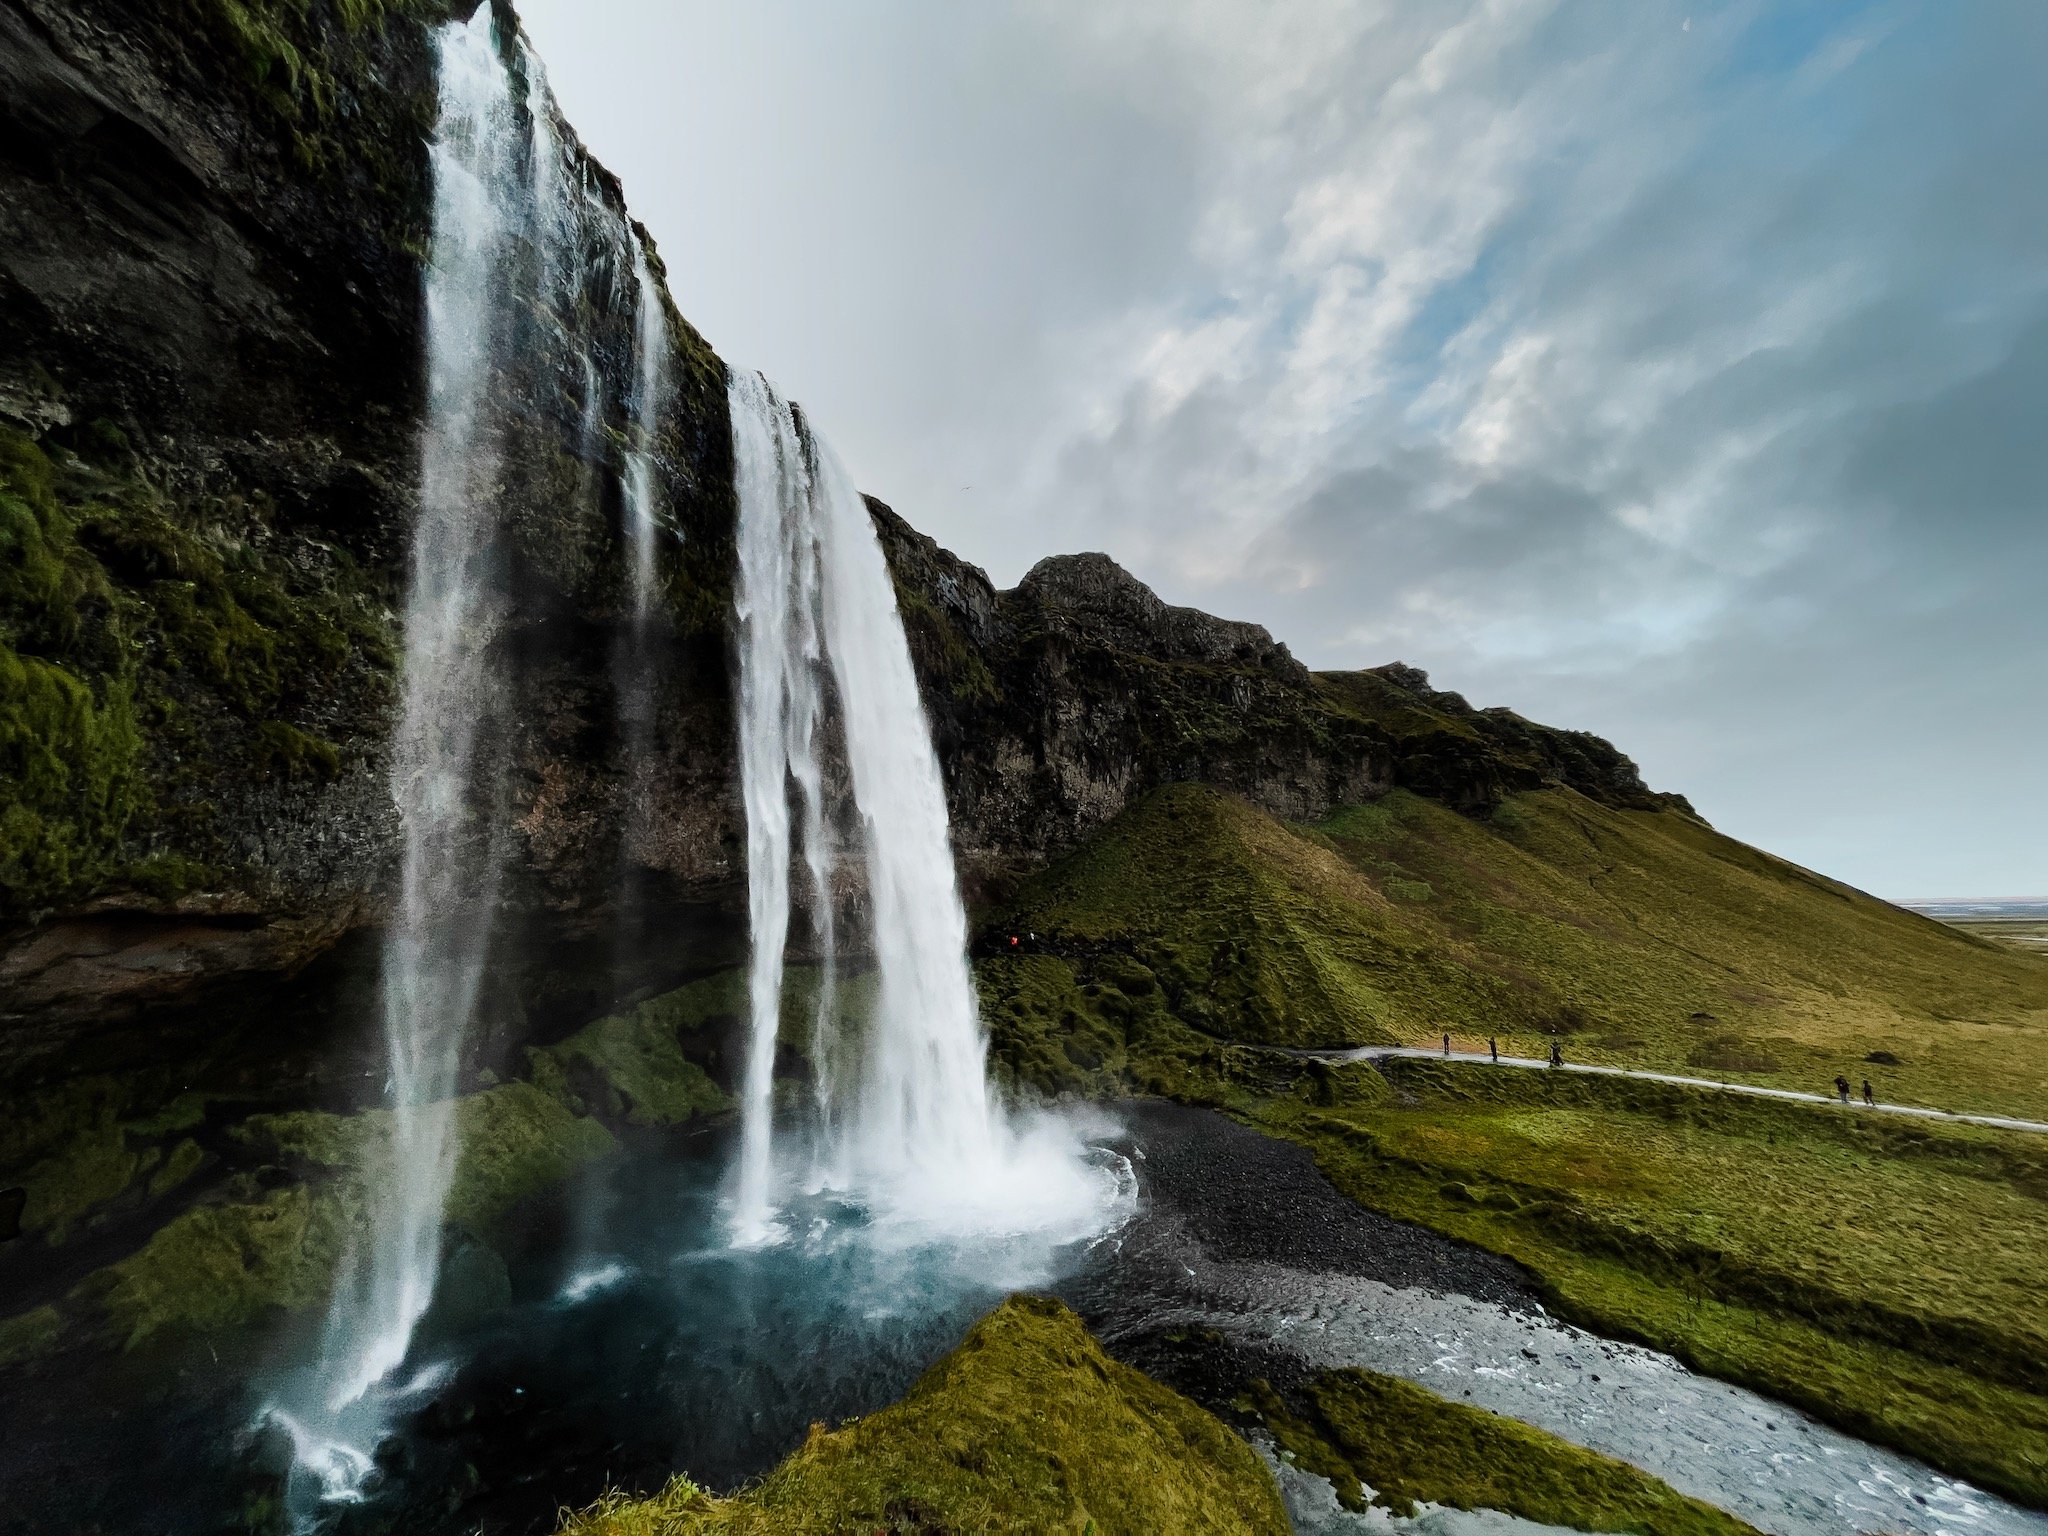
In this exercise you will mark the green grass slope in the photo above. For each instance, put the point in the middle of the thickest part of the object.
(1026, 1428)
(1880, 1274)
(1643, 938)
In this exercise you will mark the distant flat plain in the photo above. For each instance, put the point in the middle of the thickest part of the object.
(2021, 924)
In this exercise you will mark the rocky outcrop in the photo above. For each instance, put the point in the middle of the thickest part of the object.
(1059, 702)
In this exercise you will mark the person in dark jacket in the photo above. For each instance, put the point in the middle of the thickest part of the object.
(1556, 1053)
(1842, 1088)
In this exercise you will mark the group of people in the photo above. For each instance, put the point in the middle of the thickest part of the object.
(1493, 1050)
(1842, 1090)
(1557, 1060)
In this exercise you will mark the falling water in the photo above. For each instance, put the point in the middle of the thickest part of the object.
(445, 753)
(920, 1138)
(650, 387)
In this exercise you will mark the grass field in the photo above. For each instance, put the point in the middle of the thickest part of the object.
(1885, 1278)
(1642, 939)
(2028, 935)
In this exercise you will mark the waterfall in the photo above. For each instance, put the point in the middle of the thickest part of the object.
(919, 1137)
(499, 227)
(438, 943)
(650, 390)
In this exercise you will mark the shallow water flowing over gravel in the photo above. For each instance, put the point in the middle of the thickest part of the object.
(1300, 1279)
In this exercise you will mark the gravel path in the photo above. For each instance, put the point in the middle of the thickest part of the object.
(1424, 1053)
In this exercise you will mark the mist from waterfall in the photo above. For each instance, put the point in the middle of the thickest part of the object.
(904, 1121)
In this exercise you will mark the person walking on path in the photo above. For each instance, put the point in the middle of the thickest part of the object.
(1556, 1053)
(1869, 1097)
(1447, 1045)
(1842, 1087)
(1493, 1049)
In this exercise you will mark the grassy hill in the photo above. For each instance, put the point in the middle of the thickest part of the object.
(1878, 1272)
(1642, 938)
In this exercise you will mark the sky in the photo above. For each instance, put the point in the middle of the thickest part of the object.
(1675, 371)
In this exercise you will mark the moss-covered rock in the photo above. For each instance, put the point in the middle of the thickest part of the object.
(224, 1266)
(150, 649)
(1383, 1441)
(513, 1141)
(1026, 1429)
(79, 1147)
(30, 1333)
(244, 1252)
(631, 1067)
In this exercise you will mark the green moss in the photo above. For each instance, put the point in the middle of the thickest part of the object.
(82, 1144)
(1365, 1431)
(235, 1259)
(281, 49)
(184, 1161)
(631, 1066)
(286, 752)
(93, 1166)
(1027, 1427)
(942, 650)
(70, 783)
(224, 1266)
(513, 1141)
(150, 648)
(28, 1334)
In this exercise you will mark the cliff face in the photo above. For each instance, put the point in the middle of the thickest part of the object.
(212, 223)
(1060, 702)
(213, 215)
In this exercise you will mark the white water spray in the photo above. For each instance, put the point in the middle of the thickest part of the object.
(920, 1139)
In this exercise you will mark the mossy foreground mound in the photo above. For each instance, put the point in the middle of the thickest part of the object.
(1026, 1428)
(1880, 1274)
(1643, 938)
(1388, 1442)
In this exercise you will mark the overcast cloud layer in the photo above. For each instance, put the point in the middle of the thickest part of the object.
(1679, 374)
